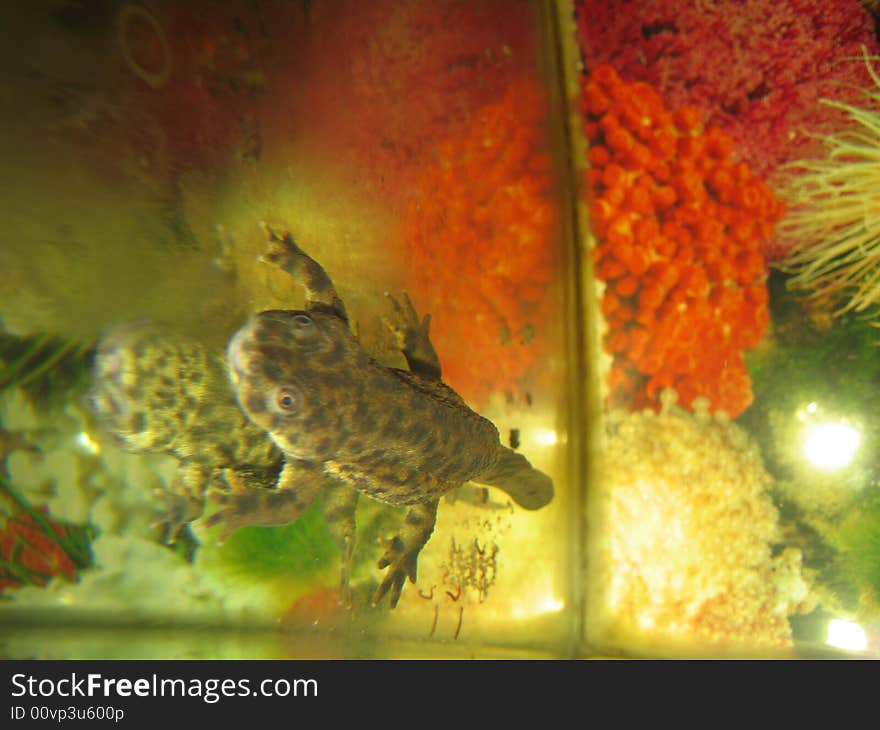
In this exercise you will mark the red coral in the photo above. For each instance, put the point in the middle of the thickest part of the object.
(756, 69)
(384, 80)
(479, 245)
(205, 111)
(32, 553)
(362, 87)
(680, 227)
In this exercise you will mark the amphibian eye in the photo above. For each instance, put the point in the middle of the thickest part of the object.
(303, 327)
(287, 400)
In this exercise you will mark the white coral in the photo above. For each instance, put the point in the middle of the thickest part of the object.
(685, 550)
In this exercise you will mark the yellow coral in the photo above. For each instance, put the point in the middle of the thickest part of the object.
(684, 553)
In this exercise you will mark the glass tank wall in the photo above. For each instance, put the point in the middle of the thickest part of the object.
(733, 237)
(157, 155)
(265, 262)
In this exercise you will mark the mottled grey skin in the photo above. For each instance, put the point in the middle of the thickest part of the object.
(157, 392)
(401, 437)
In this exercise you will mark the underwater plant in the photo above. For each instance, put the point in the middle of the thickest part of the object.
(301, 554)
(857, 537)
(832, 229)
(48, 369)
(290, 563)
(679, 227)
(35, 548)
(812, 374)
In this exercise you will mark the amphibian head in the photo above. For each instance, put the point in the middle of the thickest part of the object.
(293, 372)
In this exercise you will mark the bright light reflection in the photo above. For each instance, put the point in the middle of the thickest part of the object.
(831, 445)
(547, 604)
(846, 635)
(86, 442)
(546, 437)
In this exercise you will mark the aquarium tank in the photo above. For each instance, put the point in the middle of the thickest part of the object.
(486, 329)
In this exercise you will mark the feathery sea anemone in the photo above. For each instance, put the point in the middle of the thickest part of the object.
(833, 220)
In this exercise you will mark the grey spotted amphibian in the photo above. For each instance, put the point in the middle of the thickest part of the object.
(401, 437)
(157, 392)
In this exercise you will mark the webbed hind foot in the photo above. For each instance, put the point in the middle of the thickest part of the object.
(401, 565)
(402, 552)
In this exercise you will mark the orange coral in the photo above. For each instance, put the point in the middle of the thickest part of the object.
(679, 226)
(479, 245)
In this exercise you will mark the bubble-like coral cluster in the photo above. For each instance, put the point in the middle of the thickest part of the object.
(679, 228)
(686, 551)
(480, 245)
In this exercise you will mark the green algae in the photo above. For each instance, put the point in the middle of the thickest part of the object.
(299, 552)
(814, 366)
(836, 367)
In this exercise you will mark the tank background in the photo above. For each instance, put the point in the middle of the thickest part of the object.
(131, 196)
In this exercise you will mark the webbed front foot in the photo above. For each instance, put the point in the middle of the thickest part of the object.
(245, 506)
(284, 253)
(282, 250)
(253, 507)
(412, 337)
(239, 509)
(177, 510)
